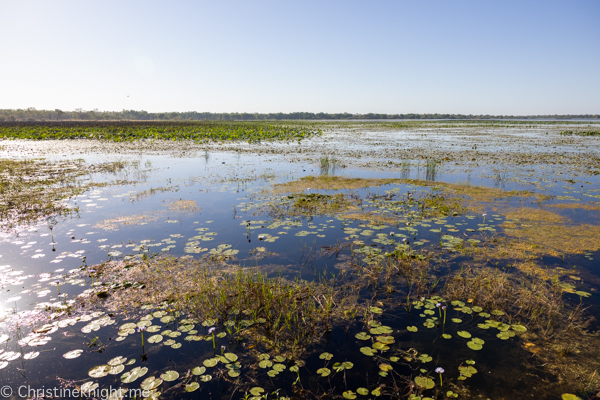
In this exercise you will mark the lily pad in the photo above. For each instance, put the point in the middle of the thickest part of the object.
(134, 374)
(199, 370)
(151, 383)
(424, 382)
(72, 354)
(192, 387)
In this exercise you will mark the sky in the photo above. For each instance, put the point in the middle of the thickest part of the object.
(462, 57)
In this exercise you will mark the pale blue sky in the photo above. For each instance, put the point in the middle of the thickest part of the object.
(470, 57)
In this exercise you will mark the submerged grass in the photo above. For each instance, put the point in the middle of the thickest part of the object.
(274, 314)
(34, 189)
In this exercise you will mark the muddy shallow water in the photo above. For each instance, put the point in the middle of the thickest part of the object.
(192, 201)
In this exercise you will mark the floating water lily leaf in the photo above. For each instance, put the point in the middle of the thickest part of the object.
(72, 354)
(326, 356)
(211, 362)
(474, 346)
(205, 378)
(385, 367)
(367, 351)
(569, 396)
(362, 336)
(376, 310)
(279, 359)
(151, 383)
(265, 364)
(380, 346)
(519, 328)
(88, 387)
(457, 320)
(424, 382)
(349, 394)
(380, 330)
(155, 338)
(257, 391)
(324, 371)
(167, 318)
(99, 371)
(376, 392)
(342, 366)
(464, 334)
(199, 370)
(176, 345)
(467, 371)
(191, 387)
(228, 358)
(446, 336)
(31, 355)
(385, 339)
(234, 373)
(279, 367)
(127, 326)
(498, 312)
(134, 374)
(116, 369)
(412, 328)
(362, 391)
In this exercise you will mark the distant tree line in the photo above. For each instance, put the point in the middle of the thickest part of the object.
(31, 114)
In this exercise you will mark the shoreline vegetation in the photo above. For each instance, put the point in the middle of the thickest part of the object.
(32, 114)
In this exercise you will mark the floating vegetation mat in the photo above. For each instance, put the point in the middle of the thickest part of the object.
(228, 275)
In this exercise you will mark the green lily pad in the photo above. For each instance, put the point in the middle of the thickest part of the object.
(362, 391)
(205, 378)
(519, 328)
(192, 387)
(446, 336)
(257, 391)
(134, 374)
(199, 370)
(474, 346)
(424, 382)
(380, 346)
(464, 334)
(326, 356)
(279, 367)
(155, 338)
(412, 328)
(116, 361)
(349, 394)
(151, 383)
(324, 372)
(265, 364)
(385, 339)
(569, 396)
(368, 351)
(376, 310)
(170, 376)
(72, 354)
(99, 371)
(228, 358)
(210, 362)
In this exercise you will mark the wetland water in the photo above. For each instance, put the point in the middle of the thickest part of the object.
(448, 260)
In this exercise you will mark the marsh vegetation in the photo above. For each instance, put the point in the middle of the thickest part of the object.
(418, 261)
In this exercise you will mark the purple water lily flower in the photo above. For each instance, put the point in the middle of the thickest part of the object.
(439, 370)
